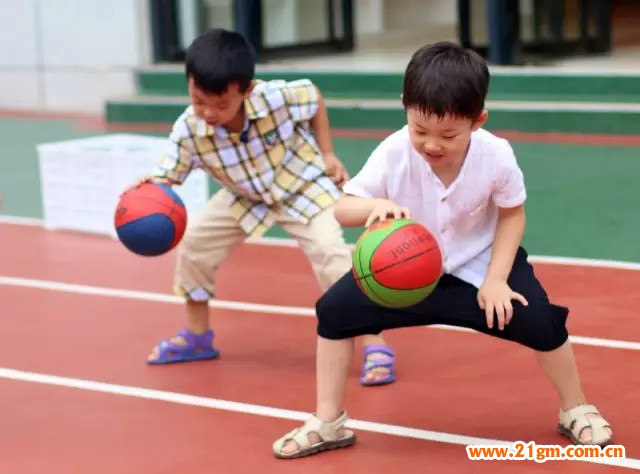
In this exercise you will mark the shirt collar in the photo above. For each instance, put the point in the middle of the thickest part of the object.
(256, 107)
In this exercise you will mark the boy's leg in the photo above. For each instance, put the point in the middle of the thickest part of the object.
(541, 326)
(323, 243)
(206, 243)
(343, 313)
(579, 420)
(325, 430)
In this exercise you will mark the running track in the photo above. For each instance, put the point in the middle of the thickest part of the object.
(78, 397)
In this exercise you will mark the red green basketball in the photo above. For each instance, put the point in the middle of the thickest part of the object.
(397, 263)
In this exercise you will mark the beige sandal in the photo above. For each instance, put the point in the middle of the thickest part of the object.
(327, 432)
(573, 421)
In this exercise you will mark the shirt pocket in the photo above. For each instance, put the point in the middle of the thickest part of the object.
(477, 209)
(473, 215)
(275, 129)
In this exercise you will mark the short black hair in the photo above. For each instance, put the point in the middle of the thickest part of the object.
(446, 79)
(218, 58)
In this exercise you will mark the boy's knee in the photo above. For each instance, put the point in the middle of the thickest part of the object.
(335, 310)
(328, 313)
(193, 278)
(543, 326)
(189, 247)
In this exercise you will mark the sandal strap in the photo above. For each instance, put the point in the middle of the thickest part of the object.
(379, 349)
(576, 420)
(326, 431)
(580, 411)
(192, 341)
(371, 364)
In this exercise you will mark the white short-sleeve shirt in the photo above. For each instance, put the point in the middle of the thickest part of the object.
(462, 217)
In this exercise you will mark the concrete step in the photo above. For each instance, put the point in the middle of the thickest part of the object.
(618, 118)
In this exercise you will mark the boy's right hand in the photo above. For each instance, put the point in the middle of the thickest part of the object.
(384, 208)
(147, 179)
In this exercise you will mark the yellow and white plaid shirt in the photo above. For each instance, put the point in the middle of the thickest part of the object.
(275, 160)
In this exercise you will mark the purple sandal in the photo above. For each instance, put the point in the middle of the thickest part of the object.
(381, 363)
(198, 347)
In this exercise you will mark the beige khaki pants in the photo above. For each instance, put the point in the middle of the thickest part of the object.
(210, 239)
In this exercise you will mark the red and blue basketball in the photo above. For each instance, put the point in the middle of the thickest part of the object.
(397, 263)
(150, 219)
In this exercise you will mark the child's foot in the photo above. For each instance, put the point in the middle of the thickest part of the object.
(184, 347)
(313, 437)
(583, 424)
(378, 365)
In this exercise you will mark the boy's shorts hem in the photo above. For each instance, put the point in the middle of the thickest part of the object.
(198, 295)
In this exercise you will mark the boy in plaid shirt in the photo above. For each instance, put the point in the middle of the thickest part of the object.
(269, 145)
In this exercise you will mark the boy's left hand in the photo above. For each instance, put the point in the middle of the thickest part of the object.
(335, 169)
(495, 296)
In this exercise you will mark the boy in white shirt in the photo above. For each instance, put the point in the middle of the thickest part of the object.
(465, 186)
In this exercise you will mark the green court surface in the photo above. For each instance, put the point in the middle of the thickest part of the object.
(583, 199)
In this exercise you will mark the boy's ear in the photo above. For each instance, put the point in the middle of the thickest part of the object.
(247, 93)
(480, 121)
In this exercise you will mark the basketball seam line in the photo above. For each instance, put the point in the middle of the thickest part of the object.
(174, 212)
(158, 201)
(365, 283)
(373, 252)
(397, 263)
(170, 209)
(372, 290)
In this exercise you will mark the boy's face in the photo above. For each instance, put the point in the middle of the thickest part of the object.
(442, 142)
(216, 110)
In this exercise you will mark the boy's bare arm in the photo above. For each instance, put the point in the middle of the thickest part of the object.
(322, 131)
(353, 211)
(508, 237)
(495, 295)
(320, 125)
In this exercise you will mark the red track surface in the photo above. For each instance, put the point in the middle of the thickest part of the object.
(450, 382)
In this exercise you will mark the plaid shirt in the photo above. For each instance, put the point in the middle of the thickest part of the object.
(274, 161)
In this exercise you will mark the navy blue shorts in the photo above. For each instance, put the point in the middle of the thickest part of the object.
(345, 312)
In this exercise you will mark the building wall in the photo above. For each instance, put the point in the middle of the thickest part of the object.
(70, 55)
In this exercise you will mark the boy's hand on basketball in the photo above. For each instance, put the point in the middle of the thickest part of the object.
(335, 169)
(495, 297)
(384, 209)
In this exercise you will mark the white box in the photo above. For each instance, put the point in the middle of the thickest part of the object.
(81, 180)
